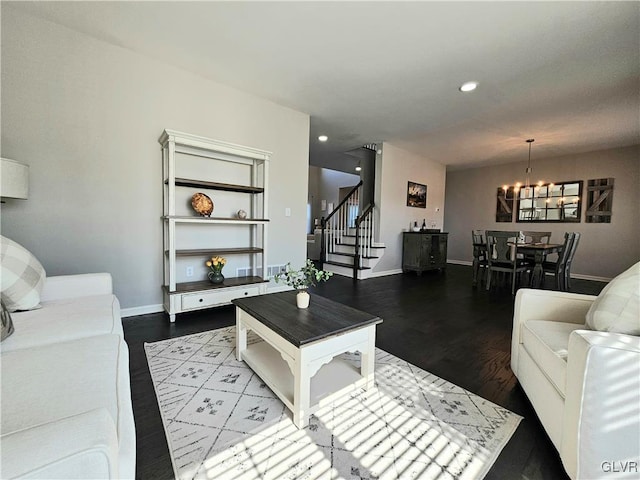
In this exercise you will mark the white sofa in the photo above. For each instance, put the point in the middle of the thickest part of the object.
(583, 384)
(65, 396)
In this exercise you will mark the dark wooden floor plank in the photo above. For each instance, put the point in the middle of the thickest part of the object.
(436, 321)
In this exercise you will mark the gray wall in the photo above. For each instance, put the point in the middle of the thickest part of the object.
(314, 194)
(605, 249)
(86, 116)
(394, 168)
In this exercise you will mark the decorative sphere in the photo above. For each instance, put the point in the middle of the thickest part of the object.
(242, 214)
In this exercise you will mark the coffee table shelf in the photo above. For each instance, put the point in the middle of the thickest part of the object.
(334, 379)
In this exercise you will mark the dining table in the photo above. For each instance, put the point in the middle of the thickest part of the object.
(540, 252)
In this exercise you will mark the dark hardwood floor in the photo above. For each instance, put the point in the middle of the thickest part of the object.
(436, 321)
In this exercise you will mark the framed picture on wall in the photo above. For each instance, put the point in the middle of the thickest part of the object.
(504, 204)
(416, 195)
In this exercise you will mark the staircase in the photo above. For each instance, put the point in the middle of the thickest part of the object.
(347, 246)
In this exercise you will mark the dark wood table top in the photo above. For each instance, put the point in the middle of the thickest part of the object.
(301, 326)
(539, 246)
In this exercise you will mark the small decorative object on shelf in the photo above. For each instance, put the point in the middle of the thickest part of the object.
(202, 204)
(424, 225)
(415, 227)
(242, 214)
(215, 266)
(302, 279)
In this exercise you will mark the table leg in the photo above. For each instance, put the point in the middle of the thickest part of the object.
(241, 335)
(368, 361)
(301, 392)
(538, 272)
(476, 269)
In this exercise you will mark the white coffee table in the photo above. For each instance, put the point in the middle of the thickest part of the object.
(297, 358)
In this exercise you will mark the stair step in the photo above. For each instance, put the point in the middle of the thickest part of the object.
(346, 265)
(352, 255)
(351, 244)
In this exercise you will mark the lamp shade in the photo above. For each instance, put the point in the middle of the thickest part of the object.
(14, 179)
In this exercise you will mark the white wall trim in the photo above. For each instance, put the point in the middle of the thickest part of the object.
(460, 262)
(385, 273)
(573, 275)
(590, 277)
(142, 310)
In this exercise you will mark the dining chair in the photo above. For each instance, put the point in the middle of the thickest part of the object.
(534, 237)
(558, 268)
(567, 268)
(537, 237)
(479, 255)
(502, 256)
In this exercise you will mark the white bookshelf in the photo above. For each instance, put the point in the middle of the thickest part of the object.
(235, 177)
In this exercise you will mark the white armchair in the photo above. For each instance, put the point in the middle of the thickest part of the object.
(583, 384)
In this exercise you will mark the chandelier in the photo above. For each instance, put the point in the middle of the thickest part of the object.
(528, 190)
(542, 201)
(527, 186)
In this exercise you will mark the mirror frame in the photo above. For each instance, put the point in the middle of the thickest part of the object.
(542, 192)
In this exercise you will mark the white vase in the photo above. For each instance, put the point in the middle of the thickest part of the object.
(302, 299)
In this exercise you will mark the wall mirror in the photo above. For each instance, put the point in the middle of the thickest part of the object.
(560, 202)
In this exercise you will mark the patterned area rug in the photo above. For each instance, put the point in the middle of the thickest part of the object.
(222, 422)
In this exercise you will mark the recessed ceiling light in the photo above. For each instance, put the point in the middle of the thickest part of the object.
(468, 86)
(358, 168)
(323, 138)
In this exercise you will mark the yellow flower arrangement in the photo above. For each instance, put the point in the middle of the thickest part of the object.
(216, 263)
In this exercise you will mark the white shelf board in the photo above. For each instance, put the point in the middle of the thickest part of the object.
(332, 380)
(232, 221)
(267, 363)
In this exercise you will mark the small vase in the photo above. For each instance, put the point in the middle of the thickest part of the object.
(302, 299)
(216, 277)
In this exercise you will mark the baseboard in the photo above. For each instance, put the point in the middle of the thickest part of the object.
(459, 262)
(573, 275)
(143, 310)
(385, 273)
(590, 277)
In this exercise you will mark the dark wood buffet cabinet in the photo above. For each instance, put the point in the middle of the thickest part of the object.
(424, 251)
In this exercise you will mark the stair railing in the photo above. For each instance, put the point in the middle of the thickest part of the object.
(364, 237)
(335, 226)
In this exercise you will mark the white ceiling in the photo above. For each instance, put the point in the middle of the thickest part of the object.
(564, 73)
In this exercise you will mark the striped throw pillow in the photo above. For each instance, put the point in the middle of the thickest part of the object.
(22, 276)
(6, 325)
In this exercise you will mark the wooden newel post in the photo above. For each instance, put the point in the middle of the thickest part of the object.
(356, 258)
(323, 252)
